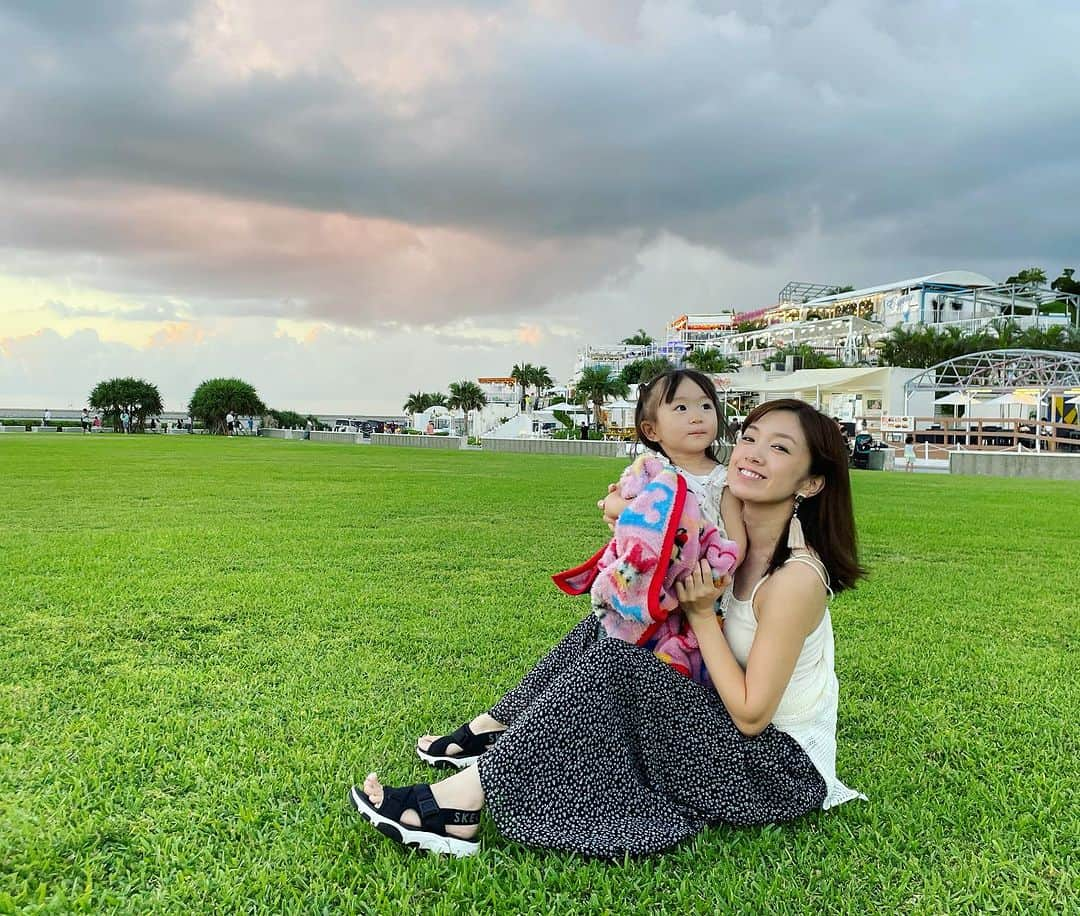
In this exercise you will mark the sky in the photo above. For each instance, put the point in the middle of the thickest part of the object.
(344, 202)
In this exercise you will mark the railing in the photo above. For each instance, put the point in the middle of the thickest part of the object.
(937, 437)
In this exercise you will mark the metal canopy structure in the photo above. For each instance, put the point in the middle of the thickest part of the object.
(796, 293)
(998, 372)
(1017, 299)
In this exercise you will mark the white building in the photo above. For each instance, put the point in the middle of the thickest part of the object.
(865, 393)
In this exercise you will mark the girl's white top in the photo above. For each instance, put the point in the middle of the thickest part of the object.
(707, 489)
(807, 710)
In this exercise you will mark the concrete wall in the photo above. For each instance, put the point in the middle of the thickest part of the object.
(283, 433)
(327, 436)
(1047, 465)
(557, 447)
(447, 442)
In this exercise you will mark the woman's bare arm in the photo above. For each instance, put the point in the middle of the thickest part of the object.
(789, 606)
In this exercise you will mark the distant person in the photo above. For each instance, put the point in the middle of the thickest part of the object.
(97, 421)
(909, 453)
(251, 425)
(85, 421)
(229, 420)
(584, 430)
(125, 421)
(189, 423)
(430, 429)
(46, 417)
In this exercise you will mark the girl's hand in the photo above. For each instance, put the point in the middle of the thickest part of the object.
(697, 592)
(612, 505)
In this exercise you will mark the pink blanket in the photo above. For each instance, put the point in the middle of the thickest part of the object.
(659, 538)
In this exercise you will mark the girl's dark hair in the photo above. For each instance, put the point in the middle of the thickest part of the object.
(663, 387)
(828, 519)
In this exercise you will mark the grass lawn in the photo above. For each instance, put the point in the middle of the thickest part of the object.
(203, 642)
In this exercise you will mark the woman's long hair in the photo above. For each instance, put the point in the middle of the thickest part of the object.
(828, 519)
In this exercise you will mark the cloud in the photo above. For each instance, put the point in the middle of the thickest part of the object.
(317, 367)
(495, 176)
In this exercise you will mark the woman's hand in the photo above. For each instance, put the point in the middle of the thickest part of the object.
(612, 505)
(697, 592)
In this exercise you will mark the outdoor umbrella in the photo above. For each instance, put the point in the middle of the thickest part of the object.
(568, 407)
(1015, 397)
(957, 398)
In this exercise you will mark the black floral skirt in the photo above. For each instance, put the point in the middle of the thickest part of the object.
(609, 751)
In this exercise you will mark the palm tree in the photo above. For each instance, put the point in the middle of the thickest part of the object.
(1029, 276)
(522, 374)
(415, 403)
(641, 371)
(542, 379)
(712, 362)
(434, 399)
(596, 385)
(640, 339)
(466, 396)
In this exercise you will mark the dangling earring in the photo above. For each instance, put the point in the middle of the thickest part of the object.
(796, 540)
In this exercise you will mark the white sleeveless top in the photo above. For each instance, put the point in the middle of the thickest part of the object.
(807, 710)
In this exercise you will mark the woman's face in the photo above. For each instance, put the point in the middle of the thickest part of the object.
(771, 461)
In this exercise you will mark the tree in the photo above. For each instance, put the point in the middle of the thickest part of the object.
(290, 419)
(1029, 276)
(640, 339)
(641, 371)
(1065, 283)
(596, 385)
(138, 397)
(218, 396)
(466, 396)
(542, 380)
(810, 357)
(711, 361)
(419, 401)
(522, 374)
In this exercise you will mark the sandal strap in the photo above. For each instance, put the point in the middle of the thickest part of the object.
(433, 818)
(470, 743)
(463, 737)
(439, 817)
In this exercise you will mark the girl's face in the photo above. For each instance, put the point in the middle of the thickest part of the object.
(771, 461)
(686, 425)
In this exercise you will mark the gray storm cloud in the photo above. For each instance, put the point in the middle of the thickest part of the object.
(559, 139)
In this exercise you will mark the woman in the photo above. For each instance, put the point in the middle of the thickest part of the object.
(605, 750)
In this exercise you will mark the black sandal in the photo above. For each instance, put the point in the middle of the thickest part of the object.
(472, 746)
(431, 835)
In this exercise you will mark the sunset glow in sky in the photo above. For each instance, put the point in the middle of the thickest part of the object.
(342, 203)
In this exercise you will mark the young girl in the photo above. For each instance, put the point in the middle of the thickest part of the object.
(909, 453)
(677, 416)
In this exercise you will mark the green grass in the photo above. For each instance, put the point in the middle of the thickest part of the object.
(203, 642)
